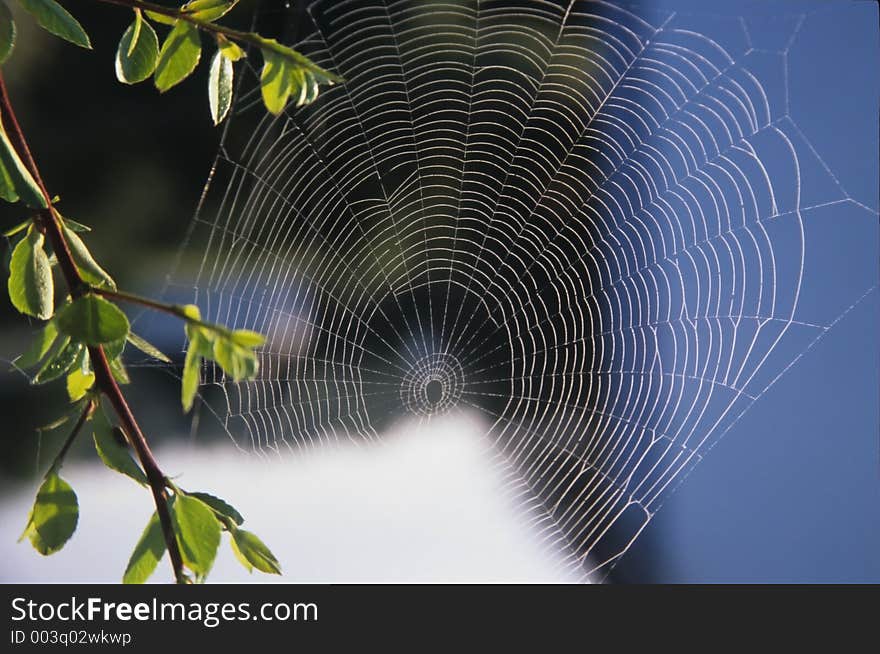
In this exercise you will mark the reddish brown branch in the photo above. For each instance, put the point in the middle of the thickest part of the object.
(50, 221)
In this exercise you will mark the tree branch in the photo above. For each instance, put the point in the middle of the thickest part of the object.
(50, 222)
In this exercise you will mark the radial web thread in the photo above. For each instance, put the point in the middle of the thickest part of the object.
(581, 221)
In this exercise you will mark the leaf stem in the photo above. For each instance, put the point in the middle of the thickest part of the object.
(50, 221)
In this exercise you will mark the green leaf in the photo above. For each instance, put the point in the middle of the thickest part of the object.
(208, 10)
(147, 553)
(229, 49)
(220, 506)
(253, 553)
(248, 338)
(296, 59)
(113, 449)
(238, 555)
(238, 362)
(114, 348)
(88, 268)
(201, 340)
(53, 517)
(179, 56)
(79, 228)
(39, 347)
(78, 383)
(7, 32)
(136, 31)
(138, 52)
(220, 87)
(147, 348)
(286, 72)
(93, 320)
(63, 358)
(54, 18)
(192, 365)
(276, 82)
(119, 372)
(16, 181)
(30, 284)
(198, 533)
(191, 311)
(161, 18)
(20, 227)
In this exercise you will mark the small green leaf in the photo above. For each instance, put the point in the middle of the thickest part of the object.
(161, 18)
(120, 374)
(248, 338)
(208, 10)
(300, 87)
(238, 362)
(147, 348)
(229, 49)
(63, 357)
(20, 227)
(79, 228)
(16, 181)
(136, 31)
(7, 32)
(241, 557)
(192, 365)
(39, 347)
(179, 56)
(220, 506)
(220, 87)
(191, 311)
(286, 72)
(198, 533)
(88, 268)
(54, 516)
(253, 553)
(138, 53)
(114, 348)
(30, 284)
(201, 340)
(93, 320)
(276, 82)
(296, 59)
(56, 19)
(78, 383)
(147, 553)
(113, 449)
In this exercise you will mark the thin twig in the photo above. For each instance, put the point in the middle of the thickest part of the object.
(131, 298)
(87, 412)
(170, 309)
(50, 221)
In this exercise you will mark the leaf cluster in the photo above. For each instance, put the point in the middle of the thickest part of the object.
(87, 321)
(286, 73)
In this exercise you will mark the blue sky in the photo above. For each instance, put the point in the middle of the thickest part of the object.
(792, 492)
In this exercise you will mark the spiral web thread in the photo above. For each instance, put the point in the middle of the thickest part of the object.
(580, 221)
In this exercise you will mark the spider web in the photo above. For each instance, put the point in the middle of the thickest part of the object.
(582, 221)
